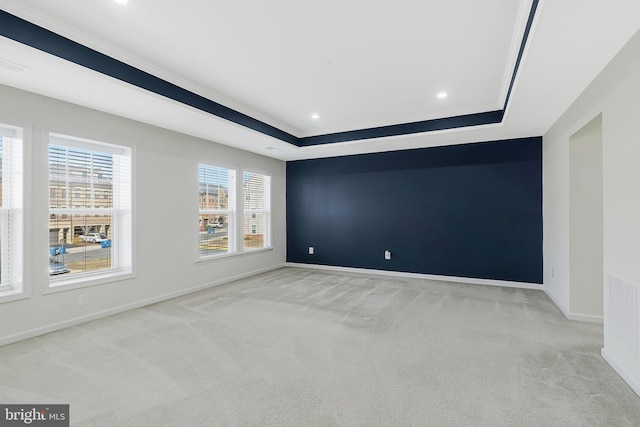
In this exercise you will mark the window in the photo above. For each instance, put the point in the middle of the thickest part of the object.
(257, 210)
(216, 204)
(10, 211)
(87, 241)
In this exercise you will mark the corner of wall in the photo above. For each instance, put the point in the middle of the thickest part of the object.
(627, 376)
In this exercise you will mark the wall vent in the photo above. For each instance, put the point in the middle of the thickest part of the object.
(623, 312)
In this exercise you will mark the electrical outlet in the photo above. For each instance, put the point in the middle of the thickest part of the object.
(310, 250)
(553, 272)
(83, 299)
(387, 255)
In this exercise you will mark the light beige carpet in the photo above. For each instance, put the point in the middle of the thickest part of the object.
(298, 347)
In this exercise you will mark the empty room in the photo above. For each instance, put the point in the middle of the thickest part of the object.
(319, 213)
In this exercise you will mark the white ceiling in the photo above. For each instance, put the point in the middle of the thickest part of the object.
(358, 64)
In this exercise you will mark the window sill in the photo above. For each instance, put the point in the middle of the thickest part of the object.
(232, 255)
(83, 281)
(9, 296)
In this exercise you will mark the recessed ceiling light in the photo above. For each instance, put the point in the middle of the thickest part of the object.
(442, 95)
(121, 1)
(315, 116)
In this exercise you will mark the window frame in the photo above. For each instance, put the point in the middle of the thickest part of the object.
(239, 214)
(247, 213)
(14, 229)
(123, 226)
(231, 212)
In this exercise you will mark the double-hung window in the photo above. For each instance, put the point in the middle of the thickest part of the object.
(10, 211)
(257, 210)
(216, 208)
(90, 237)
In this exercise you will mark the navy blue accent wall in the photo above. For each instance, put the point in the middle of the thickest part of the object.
(472, 210)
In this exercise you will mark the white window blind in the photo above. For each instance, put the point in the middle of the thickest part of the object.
(90, 214)
(257, 210)
(10, 211)
(216, 207)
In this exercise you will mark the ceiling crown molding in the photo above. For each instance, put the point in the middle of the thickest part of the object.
(30, 34)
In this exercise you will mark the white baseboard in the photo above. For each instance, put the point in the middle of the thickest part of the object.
(627, 378)
(557, 303)
(575, 316)
(585, 318)
(8, 339)
(473, 281)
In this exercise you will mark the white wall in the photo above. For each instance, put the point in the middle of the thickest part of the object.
(165, 208)
(586, 221)
(616, 94)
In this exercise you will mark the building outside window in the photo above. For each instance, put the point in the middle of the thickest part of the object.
(10, 211)
(87, 240)
(257, 210)
(216, 208)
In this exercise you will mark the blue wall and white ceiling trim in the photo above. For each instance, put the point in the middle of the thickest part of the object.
(47, 41)
(27, 33)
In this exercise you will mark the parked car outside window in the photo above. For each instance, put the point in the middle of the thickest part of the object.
(57, 267)
(94, 238)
